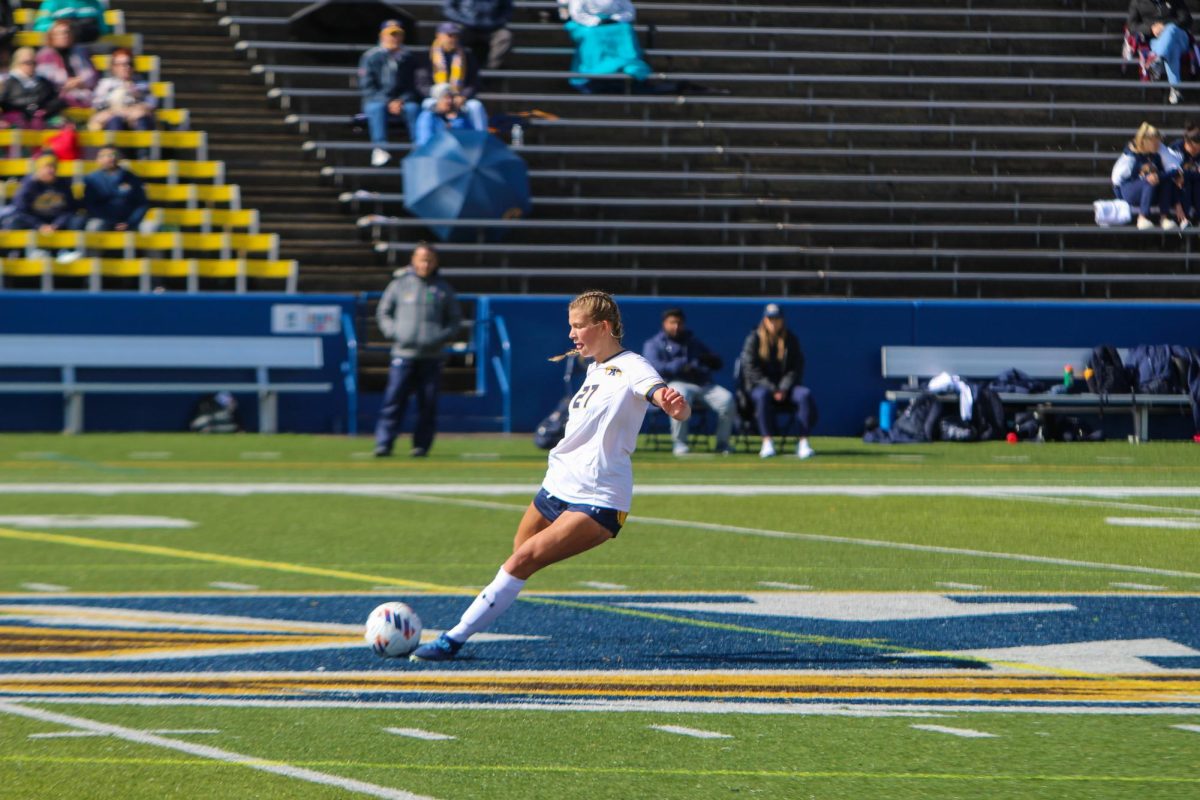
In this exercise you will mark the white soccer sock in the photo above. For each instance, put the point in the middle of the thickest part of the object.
(493, 601)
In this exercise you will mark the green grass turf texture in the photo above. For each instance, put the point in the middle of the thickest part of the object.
(540, 755)
(513, 754)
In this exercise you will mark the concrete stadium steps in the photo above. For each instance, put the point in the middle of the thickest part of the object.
(870, 196)
(261, 153)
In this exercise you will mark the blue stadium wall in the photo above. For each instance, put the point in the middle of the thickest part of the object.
(841, 339)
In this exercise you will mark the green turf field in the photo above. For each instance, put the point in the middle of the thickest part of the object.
(1033, 609)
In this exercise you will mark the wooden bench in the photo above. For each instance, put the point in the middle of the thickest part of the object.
(71, 353)
(915, 364)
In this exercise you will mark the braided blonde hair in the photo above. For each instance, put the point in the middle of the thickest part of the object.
(600, 307)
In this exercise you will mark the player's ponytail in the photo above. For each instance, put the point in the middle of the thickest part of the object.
(600, 307)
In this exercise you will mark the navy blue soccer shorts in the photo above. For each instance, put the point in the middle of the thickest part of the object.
(552, 508)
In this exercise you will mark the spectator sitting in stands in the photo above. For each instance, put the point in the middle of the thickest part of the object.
(114, 197)
(27, 100)
(1187, 150)
(445, 113)
(605, 44)
(87, 16)
(1140, 177)
(687, 364)
(772, 374)
(122, 102)
(8, 30)
(1166, 25)
(44, 202)
(68, 66)
(387, 77)
(484, 26)
(450, 63)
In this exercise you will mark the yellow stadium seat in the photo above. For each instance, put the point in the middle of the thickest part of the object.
(229, 194)
(185, 193)
(27, 268)
(274, 270)
(176, 268)
(128, 268)
(267, 243)
(58, 240)
(159, 242)
(15, 240)
(110, 241)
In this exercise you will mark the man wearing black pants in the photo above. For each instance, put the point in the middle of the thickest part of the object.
(419, 312)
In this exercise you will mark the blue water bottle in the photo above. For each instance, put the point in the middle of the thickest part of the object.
(886, 410)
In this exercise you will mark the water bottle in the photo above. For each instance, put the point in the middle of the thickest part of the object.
(518, 136)
(887, 410)
(1068, 376)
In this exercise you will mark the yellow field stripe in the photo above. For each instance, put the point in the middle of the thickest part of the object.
(713, 686)
(236, 561)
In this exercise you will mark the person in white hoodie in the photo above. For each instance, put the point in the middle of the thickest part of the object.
(1144, 177)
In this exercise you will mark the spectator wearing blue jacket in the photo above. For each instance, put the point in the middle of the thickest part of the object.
(484, 27)
(114, 197)
(686, 364)
(1141, 178)
(44, 202)
(388, 82)
(444, 114)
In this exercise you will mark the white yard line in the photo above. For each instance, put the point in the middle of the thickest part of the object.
(647, 490)
(417, 733)
(655, 706)
(45, 587)
(1192, 728)
(695, 733)
(1141, 587)
(612, 587)
(92, 521)
(213, 753)
(1154, 522)
(969, 587)
(797, 587)
(233, 586)
(965, 733)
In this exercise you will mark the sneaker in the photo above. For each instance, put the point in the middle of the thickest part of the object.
(767, 450)
(379, 157)
(1144, 224)
(39, 254)
(418, 452)
(68, 256)
(1184, 224)
(680, 449)
(443, 648)
(1174, 97)
(1168, 224)
(803, 450)
(725, 449)
(382, 452)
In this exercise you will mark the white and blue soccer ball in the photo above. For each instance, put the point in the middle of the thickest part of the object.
(393, 630)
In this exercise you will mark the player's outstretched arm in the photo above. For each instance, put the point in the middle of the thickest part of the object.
(673, 403)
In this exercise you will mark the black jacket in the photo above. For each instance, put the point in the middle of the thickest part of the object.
(776, 375)
(16, 96)
(1144, 13)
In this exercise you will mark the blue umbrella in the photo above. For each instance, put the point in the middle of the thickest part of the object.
(465, 175)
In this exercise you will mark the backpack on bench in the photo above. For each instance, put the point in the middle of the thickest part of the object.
(1106, 372)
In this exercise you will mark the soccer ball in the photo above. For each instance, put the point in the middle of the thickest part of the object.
(393, 630)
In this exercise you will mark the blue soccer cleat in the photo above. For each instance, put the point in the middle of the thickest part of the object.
(443, 648)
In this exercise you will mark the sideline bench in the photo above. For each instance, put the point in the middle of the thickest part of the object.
(914, 364)
(70, 354)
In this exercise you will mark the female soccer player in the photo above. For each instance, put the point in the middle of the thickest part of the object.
(588, 487)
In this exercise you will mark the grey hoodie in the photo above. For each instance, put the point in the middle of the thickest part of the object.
(419, 315)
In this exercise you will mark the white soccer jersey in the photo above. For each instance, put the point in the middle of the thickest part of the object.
(591, 465)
